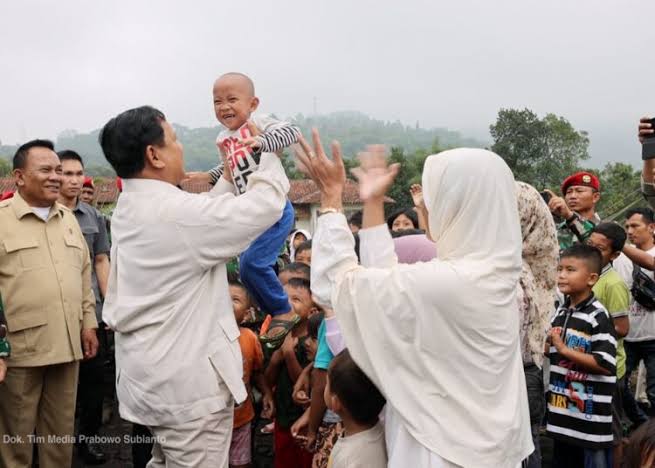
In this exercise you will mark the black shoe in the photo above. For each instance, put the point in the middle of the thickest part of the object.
(91, 454)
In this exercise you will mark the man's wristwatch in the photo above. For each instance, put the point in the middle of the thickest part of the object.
(323, 211)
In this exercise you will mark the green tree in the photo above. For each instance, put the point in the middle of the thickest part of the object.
(5, 167)
(399, 191)
(620, 189)
(541, 152)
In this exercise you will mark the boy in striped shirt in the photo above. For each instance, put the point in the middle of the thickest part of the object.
(245, 138)
(581, 347)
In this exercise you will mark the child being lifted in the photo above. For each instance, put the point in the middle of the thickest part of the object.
(245, 138)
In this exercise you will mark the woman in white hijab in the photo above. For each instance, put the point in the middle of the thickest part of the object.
(439, 339)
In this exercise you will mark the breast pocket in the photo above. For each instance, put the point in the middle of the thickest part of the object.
(28, 332)
(74, 251)
(26, 251)
(90, 235)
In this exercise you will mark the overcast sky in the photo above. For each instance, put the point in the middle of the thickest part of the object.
(444, 63)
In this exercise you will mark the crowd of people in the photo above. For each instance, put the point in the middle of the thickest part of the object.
(414, 339)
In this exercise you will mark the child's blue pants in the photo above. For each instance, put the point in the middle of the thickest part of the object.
(256, 265)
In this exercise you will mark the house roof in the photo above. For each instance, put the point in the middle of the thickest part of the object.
(301, 192)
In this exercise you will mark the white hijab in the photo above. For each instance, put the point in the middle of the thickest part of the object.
(292, 249)
(440, 339)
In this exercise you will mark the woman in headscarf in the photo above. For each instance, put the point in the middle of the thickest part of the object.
(439, 339)
(536, 294)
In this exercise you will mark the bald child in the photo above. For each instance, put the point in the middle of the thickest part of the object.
(234, 105)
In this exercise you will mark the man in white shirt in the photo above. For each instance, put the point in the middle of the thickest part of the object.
(640, 342)
(177, 352)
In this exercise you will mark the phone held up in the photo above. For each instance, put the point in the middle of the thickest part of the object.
(546, 196)
(648, 147)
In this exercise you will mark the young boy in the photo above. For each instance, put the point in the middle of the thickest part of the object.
(253, 362)
(286, 365)
(613, 293)
(234, 105)
(358, 402)
(294, 270)
(581, 348)
(304, 253)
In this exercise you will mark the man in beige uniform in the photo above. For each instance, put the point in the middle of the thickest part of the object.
(45, 281)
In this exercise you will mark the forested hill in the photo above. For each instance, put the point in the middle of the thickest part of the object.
(353, 129)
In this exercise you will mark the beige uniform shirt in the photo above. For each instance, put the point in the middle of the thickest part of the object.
(45, 280)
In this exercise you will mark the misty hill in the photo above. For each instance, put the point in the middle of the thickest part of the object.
(353, 129)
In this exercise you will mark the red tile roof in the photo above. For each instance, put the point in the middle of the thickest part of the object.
(7, 184)
(302, 192)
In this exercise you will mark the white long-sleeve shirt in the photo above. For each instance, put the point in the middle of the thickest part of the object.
(439, 339)
(177, 350)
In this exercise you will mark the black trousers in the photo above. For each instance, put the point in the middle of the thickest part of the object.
(141, 452)
(91, 388)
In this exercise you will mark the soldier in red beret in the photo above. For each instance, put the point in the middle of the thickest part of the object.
(6, 195)
(577, 208)
(88, 190)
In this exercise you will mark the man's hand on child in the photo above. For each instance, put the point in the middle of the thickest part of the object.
(252, 143)
(197, 177)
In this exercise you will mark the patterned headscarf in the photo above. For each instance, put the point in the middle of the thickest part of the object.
(539, 273)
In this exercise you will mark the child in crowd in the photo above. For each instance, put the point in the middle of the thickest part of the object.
(321, 425)
(253, 362)
(613, 293)
(241, 147)
(294, 270)
(283, 370)
(581, 349)
(358, 402)
(304, 253)
(311, 343)
(296, 238)
(640, 451)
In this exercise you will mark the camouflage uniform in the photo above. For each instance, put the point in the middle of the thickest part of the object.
(575, 230)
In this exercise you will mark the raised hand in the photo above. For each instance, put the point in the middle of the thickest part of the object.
(374, 175)
(558, 206)
(417, 195)
(329, 175)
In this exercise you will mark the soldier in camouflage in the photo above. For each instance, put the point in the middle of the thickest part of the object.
(577, 209)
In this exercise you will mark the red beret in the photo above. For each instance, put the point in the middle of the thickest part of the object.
(88, 182)
(586, 179)
(7, 195)
(119, 184)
